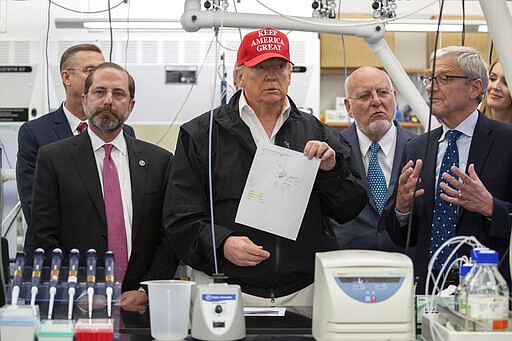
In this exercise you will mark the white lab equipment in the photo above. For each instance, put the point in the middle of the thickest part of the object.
(363, 295)
(217, 312)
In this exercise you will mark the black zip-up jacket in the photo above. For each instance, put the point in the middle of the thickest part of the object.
(337, 194)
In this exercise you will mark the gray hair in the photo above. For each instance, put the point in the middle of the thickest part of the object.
(470, 61)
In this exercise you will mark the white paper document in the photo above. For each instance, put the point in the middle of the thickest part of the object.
(277, 191)
(264, 311)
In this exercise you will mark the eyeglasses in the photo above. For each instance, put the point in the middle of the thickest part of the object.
(100, 93)
(86, 70)
(440, 79)
(368, 95)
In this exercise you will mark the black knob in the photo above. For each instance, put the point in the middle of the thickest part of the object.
(207, 5)
(218, 309)
(314, 4)
(375, 5)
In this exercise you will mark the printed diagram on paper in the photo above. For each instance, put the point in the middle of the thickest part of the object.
(277, 191)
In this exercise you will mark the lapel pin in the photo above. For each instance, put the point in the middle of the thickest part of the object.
(142, 163)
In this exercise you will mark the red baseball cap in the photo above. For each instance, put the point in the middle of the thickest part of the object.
(261, 45)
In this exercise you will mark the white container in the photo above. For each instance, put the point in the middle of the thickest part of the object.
(169, 308)
(487, 293)
(18, 322)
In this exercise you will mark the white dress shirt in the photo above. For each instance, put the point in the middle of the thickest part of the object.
(72, 120)
(258, 133)
(466, 127)
(386, 154)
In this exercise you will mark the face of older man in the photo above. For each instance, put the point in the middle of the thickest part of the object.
(81, 64)
(267, 82)
(371, 101)
(454, 95)
(107, 104)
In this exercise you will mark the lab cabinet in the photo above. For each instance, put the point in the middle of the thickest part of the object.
(480, 41)
(358, 53)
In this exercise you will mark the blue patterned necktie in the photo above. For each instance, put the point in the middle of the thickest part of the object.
(445, 214)
(376, 179)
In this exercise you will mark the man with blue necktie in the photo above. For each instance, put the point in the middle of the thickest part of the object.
(377, 143)
(464, 186)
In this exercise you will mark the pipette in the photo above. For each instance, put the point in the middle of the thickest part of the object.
(18, 276)
(36, 274)
(74, 258)
(54, 278)
(109, 280)
(91, 277)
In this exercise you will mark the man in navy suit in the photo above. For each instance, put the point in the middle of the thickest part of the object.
(69, 209)
(481, 185)
(75, 64)
(371, 102)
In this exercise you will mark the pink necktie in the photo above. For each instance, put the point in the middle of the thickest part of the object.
(81, 127)
(114, 211)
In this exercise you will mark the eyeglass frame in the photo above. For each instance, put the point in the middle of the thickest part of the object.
(369, 93)
(86, 71)
(116, 93)
(427, 79)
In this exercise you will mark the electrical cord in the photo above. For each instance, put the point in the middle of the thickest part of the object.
(127, 35)
(239, 29)
(429, 127)
(5, 153)
(110, 31)
(187, 96)
(87, 12)
(210, 171)
(463, 33)
(355, 23)
(46, 57)
(459, 241)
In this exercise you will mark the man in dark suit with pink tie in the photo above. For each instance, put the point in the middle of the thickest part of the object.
(75, 64)
(73, 206)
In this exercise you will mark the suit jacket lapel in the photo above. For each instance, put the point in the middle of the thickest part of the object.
(481, 144)
(429, 171)
(351, 136)
(85, 162)
(138, 174)
(61, 124)
(401, 141)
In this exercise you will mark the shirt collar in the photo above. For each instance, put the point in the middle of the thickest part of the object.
(72, 119)
(386, 142)
(119, 142)
(246, 108)
(466, 127)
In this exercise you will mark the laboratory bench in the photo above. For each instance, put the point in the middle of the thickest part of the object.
(135, 325)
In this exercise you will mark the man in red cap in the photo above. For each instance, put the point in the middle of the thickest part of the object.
(271, 270)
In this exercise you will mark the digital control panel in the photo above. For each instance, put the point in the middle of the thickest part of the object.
(369, 289)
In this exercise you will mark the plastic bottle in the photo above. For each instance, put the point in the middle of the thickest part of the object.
(487, 294)
(461, 295)
(460, 291)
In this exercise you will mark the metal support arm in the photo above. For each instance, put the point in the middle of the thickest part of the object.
(193, 19)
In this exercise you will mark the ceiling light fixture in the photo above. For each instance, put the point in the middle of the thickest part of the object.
(137, 24)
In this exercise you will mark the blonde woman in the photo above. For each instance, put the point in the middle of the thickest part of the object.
(497, 103)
